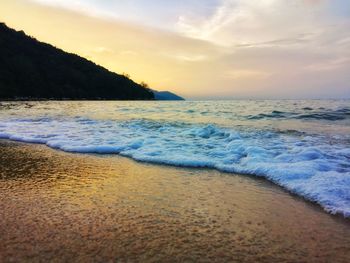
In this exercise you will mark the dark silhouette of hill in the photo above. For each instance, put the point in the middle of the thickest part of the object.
(30, 69)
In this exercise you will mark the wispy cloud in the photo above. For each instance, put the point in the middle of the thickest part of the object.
(246, 74)
(242, 22)
(102, 50)
(186, 57)
(207, 48)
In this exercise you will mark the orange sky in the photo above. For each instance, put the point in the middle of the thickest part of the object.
(215, 54)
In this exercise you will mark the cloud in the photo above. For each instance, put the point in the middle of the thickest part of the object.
(158, 14)
(186, 57)
(240, 22)
(230, 48)
(246, 74)
(102, 50)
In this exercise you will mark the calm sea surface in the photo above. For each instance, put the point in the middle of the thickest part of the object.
(303, 146)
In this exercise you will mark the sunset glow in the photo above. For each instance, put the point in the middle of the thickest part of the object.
(203, 49)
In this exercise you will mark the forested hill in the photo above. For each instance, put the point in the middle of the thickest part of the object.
(30, 69)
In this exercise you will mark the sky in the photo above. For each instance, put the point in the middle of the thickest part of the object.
(203, 49)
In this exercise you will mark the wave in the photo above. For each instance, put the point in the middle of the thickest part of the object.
(307, 114)
(308, 165)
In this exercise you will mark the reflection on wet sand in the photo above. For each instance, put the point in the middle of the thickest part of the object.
(60, 207)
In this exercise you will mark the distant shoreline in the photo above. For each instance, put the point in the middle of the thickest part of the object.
(65, 99)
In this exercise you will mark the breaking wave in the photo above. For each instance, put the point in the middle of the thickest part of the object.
(314, 166)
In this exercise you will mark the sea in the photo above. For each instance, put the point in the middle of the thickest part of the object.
(301, 145)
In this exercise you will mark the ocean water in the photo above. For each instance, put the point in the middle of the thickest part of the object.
(303, 146)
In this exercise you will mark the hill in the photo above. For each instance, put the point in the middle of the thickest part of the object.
(32, 70)
(166, 95)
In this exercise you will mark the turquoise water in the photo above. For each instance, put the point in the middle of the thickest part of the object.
(303, 146)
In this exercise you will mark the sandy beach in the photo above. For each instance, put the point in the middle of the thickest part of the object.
(174, 131)
(62, 207)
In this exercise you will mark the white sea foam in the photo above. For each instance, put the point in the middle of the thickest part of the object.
(314, 166)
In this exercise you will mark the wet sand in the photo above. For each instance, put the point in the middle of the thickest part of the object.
(62, 207)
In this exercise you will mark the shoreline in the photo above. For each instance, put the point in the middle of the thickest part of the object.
(66, 99)
(82, 207)
(269, 180)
